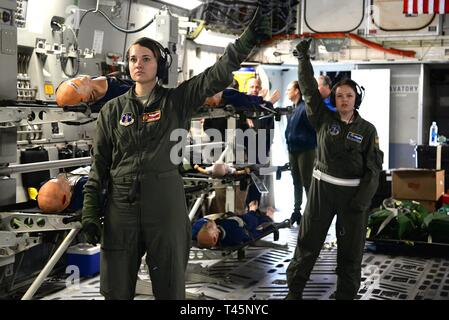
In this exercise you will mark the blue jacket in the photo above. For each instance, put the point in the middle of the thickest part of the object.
(329, 105)
(116, 87)
(76, 203)
(241, 100)
(299, 134)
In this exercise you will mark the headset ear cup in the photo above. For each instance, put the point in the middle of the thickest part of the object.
(358, 100)
(359, 95)
(127, 68)
(163, 64)
(162, 70)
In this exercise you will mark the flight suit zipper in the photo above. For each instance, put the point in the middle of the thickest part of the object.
(139, 162)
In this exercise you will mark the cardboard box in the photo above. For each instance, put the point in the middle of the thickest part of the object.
(417, 184)
(85, 257)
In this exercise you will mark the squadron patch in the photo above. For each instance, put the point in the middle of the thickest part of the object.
(126, 119)
(334, 129)
(354, 137)
(151, 116)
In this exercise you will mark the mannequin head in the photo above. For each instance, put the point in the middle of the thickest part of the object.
(54, 196)
(208, 235)
(219, 170)
(81, 89)
(215, 100)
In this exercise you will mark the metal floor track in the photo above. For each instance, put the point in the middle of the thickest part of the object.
(261, 275)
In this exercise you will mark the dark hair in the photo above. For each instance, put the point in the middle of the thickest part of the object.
(296, 85)
(148, 43)
(326, 80)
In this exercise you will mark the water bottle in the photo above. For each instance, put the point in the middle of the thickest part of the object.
(433, 134)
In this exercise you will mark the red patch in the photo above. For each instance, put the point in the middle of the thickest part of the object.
(151, 116)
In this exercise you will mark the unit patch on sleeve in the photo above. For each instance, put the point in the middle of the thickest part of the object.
(354, 137)
(151, 116)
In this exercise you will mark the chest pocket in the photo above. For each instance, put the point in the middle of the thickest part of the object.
(151, 123)
(352, 146)
(334, 140)
(123, 137)
(354, 141)
(355, 155)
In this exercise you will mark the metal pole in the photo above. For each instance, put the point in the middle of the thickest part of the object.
(44, 165)
(195, 207)
(50, 264)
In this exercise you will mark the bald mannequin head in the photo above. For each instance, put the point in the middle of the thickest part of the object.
(54, 196)
(81, 89)
(208, 235)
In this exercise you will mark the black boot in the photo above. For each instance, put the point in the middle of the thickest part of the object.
(293, 296)
(296, 217)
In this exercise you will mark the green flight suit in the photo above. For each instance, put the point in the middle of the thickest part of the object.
(132, 143)
(347, 151)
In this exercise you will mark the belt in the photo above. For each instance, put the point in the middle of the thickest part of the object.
(333, 180)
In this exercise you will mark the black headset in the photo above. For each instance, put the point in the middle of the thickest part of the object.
(163, 62)
(359, 91)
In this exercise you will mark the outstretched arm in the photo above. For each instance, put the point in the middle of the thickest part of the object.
(216, 78)
(315, 106)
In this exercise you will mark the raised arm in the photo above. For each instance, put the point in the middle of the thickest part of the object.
(217, 77)
(315, 106)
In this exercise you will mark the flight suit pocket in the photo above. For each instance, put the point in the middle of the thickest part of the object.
(171, 173)
(353, 159)
(123, 138)
(120, 193)
(150, 130)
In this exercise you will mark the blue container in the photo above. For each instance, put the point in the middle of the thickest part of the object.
(85, 257)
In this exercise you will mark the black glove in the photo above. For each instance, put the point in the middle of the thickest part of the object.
(302, 48)
(258, 30)
(92, 233)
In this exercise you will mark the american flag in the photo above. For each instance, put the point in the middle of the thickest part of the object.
(426, 6)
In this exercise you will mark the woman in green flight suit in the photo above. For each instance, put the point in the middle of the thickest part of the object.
(146, 209)
(345, 179)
